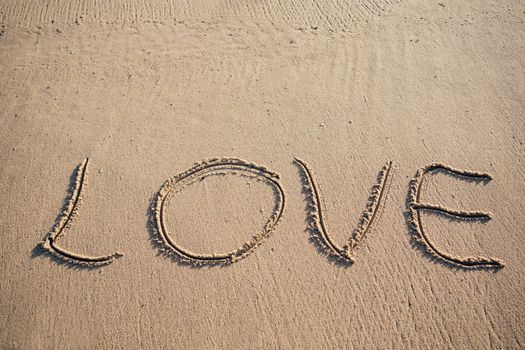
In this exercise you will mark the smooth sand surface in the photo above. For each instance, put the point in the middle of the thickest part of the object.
(145, 89)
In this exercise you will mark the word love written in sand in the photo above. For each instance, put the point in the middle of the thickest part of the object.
(314, 210)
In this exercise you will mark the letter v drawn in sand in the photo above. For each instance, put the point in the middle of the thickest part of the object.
(198, 173)
(316, 221)
(415, 207)
(65, 221)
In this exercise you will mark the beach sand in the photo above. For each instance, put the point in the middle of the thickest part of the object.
(147, 89)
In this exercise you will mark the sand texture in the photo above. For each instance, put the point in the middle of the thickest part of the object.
(262, 174)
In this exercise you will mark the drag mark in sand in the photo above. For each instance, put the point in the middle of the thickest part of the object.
(65, 221)
(316, 222)
(416, 222)
(198, 173)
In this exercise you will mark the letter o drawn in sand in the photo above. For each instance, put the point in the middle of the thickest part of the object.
(199, 172)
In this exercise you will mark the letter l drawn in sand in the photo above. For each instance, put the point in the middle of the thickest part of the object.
(65, 221)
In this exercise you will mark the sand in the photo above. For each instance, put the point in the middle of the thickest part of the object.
(239, 258)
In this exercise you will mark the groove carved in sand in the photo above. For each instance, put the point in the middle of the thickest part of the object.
(197, 173)
(65, 221)
(422, 237)
(317, 223)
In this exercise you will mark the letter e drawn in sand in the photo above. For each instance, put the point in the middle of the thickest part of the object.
(65, 221)
(316, 221)
(199, 172)
(415, 207)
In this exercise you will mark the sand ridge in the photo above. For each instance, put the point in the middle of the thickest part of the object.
(336, 15)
